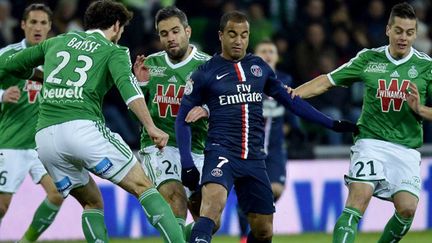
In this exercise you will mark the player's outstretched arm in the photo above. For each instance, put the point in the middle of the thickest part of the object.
(312, 88)
(22, 63)
(139, 108)
(190, 174)
(413, 99)
(308, 112)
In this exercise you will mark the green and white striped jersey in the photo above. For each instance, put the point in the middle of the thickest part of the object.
(385, 113)
(165, 91)
(79, 69)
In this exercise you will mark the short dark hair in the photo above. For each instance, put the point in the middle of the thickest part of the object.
(402, 10)
(234, 16)
(169, 12)
(37, 7)
(102, 14)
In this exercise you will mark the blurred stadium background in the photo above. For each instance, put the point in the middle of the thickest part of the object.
(313, 37)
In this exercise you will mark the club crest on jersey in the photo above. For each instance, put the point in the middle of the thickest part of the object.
(216, 172)
(33, 88)
(256, 71)
(412, 73)
(189, 87)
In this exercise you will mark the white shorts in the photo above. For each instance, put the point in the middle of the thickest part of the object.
(71, 149)
(387, 166)
(161, 166)
(14, 166)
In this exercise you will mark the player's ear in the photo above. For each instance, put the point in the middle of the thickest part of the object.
(388, 30)
(220, 35)
(22, 24)
(188, 30)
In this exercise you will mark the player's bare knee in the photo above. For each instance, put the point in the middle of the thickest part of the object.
(406, 210)
(173, 192)
(55, 198)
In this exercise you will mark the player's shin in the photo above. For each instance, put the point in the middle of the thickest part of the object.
(395, 229)
(345, 228)
(42, 219)
(160, 216)
(93, 225)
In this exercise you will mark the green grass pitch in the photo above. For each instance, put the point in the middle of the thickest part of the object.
(412, 237)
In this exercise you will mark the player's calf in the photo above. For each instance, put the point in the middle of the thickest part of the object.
(261, 227)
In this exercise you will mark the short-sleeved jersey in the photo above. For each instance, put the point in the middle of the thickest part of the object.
(234, 92)
(79, 68)
(385, 114)
(164, 92)
(18, 120)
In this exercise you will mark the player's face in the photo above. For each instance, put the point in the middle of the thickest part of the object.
(174, 38)
(234, 40)
(36, 27)
(268, 53)
(402, 34)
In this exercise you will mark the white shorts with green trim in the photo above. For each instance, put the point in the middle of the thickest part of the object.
(14, 166)
(164, 165)
(388, 167)
(72, 149)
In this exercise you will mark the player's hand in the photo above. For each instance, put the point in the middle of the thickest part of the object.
(190, 178)
(159, 137)
(140, 70)
(195, 114)
(413, 98)
(11, 95)
(345, 126)
(291, 92)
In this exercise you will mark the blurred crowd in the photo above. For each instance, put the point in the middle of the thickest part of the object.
(312, 36)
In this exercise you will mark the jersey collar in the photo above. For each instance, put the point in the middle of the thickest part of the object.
(400, 61)
(182, 63)
(96, 31)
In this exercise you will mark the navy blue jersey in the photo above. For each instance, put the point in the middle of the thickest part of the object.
(233, 92)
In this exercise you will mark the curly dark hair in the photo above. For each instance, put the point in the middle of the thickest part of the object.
(102, 14)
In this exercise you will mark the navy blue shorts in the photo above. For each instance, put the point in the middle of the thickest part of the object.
(276, 167)
(249, 178)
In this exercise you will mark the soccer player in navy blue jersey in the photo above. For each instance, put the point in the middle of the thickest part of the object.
(233, 85)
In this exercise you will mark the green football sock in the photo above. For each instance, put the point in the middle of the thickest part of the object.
(395, 229)
(94, 226)
(345, 228)
(188, 231)
(42, 219)
(181, 222)
(160, 216)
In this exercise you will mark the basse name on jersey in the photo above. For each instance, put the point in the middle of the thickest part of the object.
(86, 45)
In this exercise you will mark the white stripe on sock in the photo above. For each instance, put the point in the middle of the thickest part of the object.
(90, 229)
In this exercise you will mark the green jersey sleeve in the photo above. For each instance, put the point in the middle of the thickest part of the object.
(123, 77)
(349, 72)
(22, 63)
